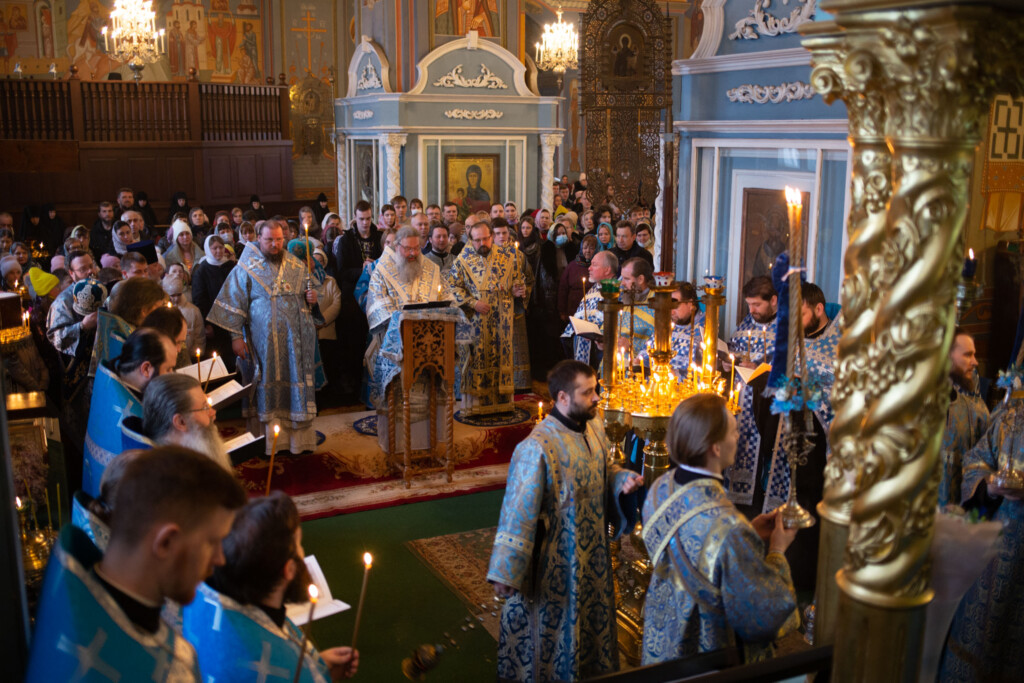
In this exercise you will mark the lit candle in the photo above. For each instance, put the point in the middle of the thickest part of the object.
(795, 206)
(367, 563)
(732, 373)
(209, 373)
(106, 43)
(18, 505)
(970, 265)
(313, 595)
(540, 410)
(199, 374)
(439, 292)
(273, 452)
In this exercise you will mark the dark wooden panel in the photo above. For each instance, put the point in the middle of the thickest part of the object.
(220, 178)
(39, 156)
(271, 177)
(246, 172)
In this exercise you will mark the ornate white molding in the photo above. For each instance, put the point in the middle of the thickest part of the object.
(714, 28)
(765, 23)
(470, 47)
(368, 79)
(486, 79)
(365, 80)
(770, 59)
(474, 114)
(837, 126)
(362, 114)
(763, 94)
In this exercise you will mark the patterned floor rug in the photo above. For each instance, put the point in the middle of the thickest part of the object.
(460, 562)
(349, 472)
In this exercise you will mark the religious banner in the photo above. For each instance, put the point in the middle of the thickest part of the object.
(1003, 179)
(309, 37)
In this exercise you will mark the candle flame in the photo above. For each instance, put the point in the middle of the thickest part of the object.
(209, 401)
(314, 593)
(793, 196)
(368, 560)
(198, 353)
(970, 253)
(215, 355)
(277, 429)
(17, 502)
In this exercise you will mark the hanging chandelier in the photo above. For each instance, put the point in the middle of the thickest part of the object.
(559, 48)
(133, 37)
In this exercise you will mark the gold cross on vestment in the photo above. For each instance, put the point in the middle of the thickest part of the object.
(309, 31)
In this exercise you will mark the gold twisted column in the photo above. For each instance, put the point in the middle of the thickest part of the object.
(937, 71)
(851, 74)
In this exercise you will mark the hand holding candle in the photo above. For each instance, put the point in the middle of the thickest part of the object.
(367, 563)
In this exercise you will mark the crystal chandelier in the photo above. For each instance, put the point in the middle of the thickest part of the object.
(559, 48)
(133, 37)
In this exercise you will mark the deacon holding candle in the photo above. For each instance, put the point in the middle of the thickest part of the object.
(238, 617)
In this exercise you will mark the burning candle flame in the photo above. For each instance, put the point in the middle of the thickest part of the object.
(793, 196)
(17, 502)
(277, 429)
(314, 593)
(970, 253)
(368, 560)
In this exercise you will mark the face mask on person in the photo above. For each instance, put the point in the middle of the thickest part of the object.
(561, 240)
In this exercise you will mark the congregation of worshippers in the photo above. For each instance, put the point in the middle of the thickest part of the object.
(170, 569)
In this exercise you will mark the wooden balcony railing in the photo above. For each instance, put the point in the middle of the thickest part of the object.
(115, 111)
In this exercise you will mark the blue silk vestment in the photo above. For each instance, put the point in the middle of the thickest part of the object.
(552, 547)
(821, 357)
(265, 303)
(681, 348)
(760, 346)
(987, 635)
(112, 401)
(111, 333)
(239, 643)
(488, 384)
(83, 635)
(82, 517)
(966, 421)
(711, 581)
(590, 310)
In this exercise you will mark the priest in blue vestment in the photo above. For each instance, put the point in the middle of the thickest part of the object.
(264, 304)
(713, 585)
(966, 418)
(550, 559)
(99, 616)
(117, 394)
(238, 622)
(987, 636)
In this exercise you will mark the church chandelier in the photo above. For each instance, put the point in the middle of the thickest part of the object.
(133, 37)
(559, 48)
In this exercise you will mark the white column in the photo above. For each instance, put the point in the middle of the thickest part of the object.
(341, 153)
(548, 143)
(659, 204)
(393, 144)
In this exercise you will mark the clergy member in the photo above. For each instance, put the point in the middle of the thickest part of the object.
(558, 621)
(264, 305)
(687, 329)
(637, 317)
(987, 634)
(752, 343)
(239, 625)
(523, 275)
(604, 266)
(713, 585)
(484, 283)
(117, 394)
(403, 276)
(966, 418)
(175, 412)
(99, 617)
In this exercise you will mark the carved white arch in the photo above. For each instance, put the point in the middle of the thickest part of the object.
(714, 29)
(472, 42)
(368, 47)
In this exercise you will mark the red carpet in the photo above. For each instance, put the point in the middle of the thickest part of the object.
(323, 484)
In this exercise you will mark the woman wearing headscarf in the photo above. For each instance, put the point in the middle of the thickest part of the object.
(121, 237)
(183, 250)
(179, 204)
(143, 206)
(542, 324)
(572, 286)
(605, 237)
(11, 271)
(320, 208)
(51, 229)
(256, 206)
(207, 279)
